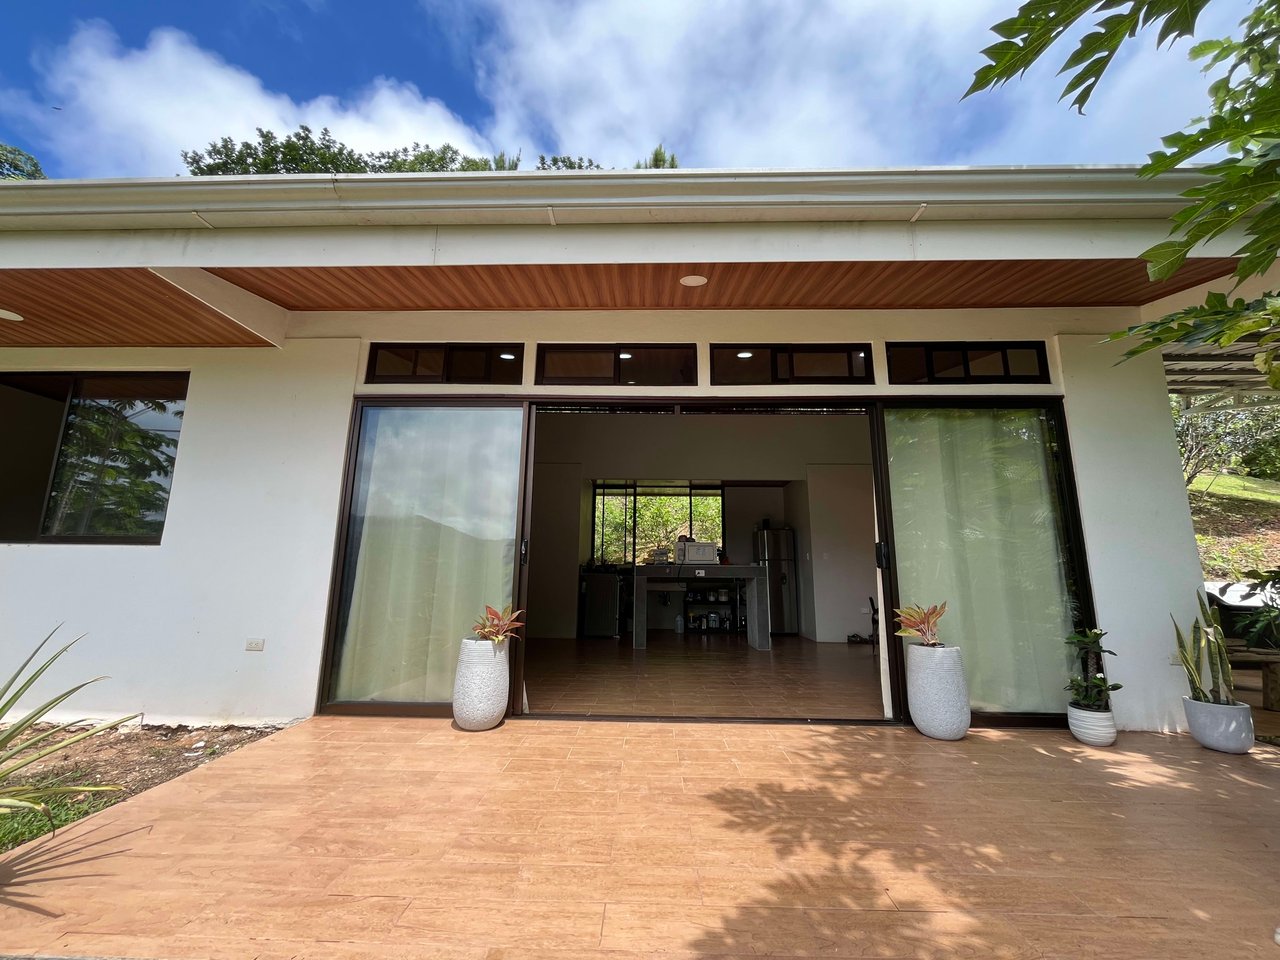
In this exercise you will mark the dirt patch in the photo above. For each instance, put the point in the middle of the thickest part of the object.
(1235, 534)
(138, 758)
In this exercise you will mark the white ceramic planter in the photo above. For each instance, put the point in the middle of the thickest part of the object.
(1097, 728)
(481, 685)
(937, 694)
(1227, 727)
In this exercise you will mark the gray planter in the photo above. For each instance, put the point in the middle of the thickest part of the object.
(1227, 727)
(1097, 728)
(937, 694)
(481, 685)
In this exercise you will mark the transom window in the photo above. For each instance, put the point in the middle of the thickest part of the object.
(752, 364)
(89, 457)
(446, 363)
(615, 364)
(960, 362)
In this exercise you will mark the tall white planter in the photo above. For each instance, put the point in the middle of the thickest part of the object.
(937, 694)
(1096, 728)
(481, 685)
(1226, 727)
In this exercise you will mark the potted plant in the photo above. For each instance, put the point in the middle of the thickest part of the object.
(1089, 712)
(483, 681)
(937, 694)
(1215, 718)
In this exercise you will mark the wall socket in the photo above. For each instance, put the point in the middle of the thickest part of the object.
(255, 644)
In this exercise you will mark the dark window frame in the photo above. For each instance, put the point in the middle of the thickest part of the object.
(964, 347)
(540, 376)
(492, 349)
(74, 378)
(776, 350)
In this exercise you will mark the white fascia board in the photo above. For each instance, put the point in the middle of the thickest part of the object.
(648, 243)
(258, 316)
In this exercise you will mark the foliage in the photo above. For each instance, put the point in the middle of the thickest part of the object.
(17, 739)
(566, 163)
(658, 522)
(658, 160)
(1205, 651)
(1263, 459)
(302, 152)
(17, 164)
(1261, 627)
(1219, 439)
(921, 622)
(1089, 689)
(496, 626)
(1239, 190)
(63, 808)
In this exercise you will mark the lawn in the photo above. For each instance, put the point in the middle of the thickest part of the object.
(16, 828)
(1237, 521)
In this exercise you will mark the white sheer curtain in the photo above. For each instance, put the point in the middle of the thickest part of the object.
(977, 522)
(431, 541)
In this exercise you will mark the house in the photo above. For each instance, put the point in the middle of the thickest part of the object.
(272, 442)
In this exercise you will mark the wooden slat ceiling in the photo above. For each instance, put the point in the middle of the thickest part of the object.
(1210, 369)
(118, 307)
(655, 286)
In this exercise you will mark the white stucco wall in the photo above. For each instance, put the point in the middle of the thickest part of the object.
(247, 549)
(1137, 524)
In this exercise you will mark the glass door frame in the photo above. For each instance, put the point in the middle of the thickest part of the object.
(391, 708)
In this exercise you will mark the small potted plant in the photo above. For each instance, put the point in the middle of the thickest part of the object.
(1215, 718)
(483, 681)
(937, 694)
(1089, 712)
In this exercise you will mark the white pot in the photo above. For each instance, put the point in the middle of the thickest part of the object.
(937, 694)
(481, 685)
(1097, 728)
(1227, 727)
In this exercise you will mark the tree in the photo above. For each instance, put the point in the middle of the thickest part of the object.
(566, 163)
(1240, 190)
(1219, 439)
(302, 152)
(17, 164)
(658, 160)
(1263, 459)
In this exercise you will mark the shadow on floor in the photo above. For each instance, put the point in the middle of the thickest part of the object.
(55, 858)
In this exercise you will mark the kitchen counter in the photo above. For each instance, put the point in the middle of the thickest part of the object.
(663, 576)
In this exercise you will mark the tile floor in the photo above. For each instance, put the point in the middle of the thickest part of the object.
(704, 675)
(552, 840)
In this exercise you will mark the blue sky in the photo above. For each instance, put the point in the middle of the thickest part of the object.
(120, 89)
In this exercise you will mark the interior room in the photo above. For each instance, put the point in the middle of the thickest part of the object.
(703, 564)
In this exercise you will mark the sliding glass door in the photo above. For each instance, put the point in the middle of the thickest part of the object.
(978, 521)
(431, 538)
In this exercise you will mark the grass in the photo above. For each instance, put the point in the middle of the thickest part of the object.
(1237, 521)
(18, 828)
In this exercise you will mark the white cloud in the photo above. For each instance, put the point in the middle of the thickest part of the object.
(130, 112)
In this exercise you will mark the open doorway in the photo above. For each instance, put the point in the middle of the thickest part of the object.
(701, 563)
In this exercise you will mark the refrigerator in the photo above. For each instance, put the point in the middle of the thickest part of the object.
(775, 549)
(601, 601)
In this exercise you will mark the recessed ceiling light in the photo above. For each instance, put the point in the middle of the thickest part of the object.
(693, 280)
(506, 356)
(861, 354)
(624, 356)
(10, 315)
(745, 355)
(631, 383)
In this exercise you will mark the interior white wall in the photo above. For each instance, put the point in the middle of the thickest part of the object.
(1139, 540)
(554, 537)
(744, 507)
(843, 532)
(247, 549)
(796, 505)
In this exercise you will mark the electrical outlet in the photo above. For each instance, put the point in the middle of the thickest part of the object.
(866, 609)
(255, 644)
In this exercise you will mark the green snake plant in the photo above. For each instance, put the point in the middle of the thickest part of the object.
(1204, 654)
(22, 745)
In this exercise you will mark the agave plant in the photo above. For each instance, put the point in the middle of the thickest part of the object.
(921, 622)
(18, 738)
(1205, 652)
(497, 626)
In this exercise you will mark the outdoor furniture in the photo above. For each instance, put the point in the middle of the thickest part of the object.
(1270, 662)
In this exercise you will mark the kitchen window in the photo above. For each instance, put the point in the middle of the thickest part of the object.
(610, 364)
(762, 364)
(1023, 361)
(501, 363)
(89, 457)
(632, 520)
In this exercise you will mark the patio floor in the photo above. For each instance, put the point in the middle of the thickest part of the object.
(395, 839)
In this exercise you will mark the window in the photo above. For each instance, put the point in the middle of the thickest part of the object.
(606, 364)
(632, 520)
(1019, 362)
(751, 364)
(90, 456)
(446, 363)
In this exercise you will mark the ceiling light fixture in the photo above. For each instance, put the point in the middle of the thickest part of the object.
(693, 280)
(745, 355)
(624, 356)
(10, 315)
(506, 356)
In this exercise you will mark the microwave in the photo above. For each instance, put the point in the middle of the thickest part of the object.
(696, 553)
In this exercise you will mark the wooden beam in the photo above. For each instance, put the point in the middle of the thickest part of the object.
(262, 317)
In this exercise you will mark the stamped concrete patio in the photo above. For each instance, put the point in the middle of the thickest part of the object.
(346, 838)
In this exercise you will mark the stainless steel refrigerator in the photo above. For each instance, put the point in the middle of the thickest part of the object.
(775, 549)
